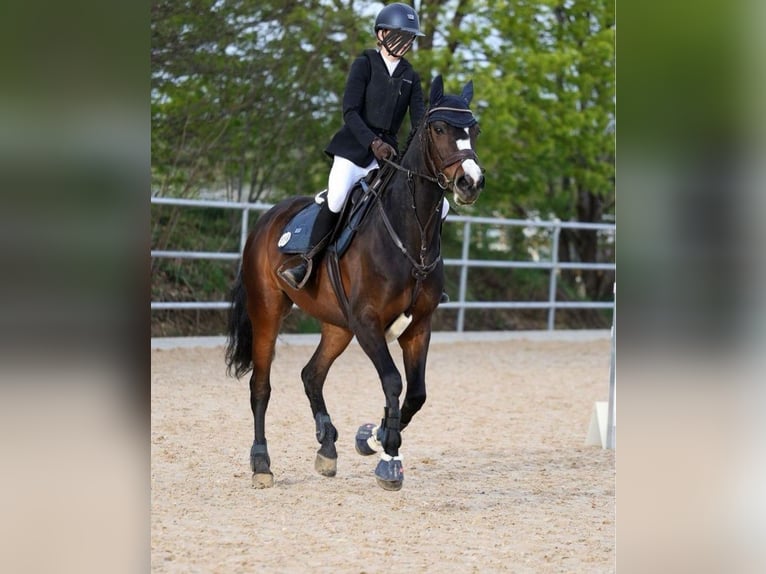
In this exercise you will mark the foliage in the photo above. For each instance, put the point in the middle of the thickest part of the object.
(243, 92)
(549, 87)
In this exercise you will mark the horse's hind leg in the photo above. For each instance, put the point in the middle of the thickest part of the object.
(333, 342)
(266, 322)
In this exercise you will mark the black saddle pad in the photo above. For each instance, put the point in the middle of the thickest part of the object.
(296, 235)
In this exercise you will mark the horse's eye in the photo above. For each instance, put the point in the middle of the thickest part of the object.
(439, 130)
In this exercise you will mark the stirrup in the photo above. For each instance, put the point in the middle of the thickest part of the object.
(290, 274)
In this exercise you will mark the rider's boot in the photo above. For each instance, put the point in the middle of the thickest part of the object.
(325, 220)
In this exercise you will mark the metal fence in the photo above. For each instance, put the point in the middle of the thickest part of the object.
(551, 264)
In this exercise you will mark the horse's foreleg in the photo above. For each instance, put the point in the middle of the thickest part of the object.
(333, 342)
(389, 471)
(415, 352)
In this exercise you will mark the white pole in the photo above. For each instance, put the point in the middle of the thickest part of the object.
(610, 420)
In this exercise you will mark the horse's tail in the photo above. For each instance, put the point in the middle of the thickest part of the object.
(239, 346)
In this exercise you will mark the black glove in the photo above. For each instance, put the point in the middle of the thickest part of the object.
(382, 150)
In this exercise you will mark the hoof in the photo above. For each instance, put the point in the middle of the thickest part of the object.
(366, 441)
(389, 484)
(263, 480)
(326, 466)
(390, 472)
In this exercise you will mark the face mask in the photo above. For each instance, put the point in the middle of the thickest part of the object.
(398, 42)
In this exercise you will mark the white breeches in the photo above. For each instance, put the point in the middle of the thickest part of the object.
(344, 174)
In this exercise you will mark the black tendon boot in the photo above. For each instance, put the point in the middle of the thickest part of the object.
(325, 220)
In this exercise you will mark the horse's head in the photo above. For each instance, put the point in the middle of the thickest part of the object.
(452, 130)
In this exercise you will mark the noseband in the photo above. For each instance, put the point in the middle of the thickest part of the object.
(459, 156)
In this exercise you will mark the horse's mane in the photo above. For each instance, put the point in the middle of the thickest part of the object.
(387, 168)
(412, 133)
(410, 137)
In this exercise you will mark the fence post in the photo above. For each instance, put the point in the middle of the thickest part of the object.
(463, 275)
(243, 232)
(553, 278)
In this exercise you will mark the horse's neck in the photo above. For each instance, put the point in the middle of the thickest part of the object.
(411, 203)
(427, 194)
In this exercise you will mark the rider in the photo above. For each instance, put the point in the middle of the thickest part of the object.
(381, 87)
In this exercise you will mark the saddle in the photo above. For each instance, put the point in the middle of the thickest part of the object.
(295, 236)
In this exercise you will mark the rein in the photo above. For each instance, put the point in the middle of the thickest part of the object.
(441, 179)
(421, 270)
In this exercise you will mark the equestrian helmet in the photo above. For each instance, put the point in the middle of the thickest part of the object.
(398, 16)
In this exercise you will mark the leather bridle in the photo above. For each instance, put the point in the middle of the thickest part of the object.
(437, 174)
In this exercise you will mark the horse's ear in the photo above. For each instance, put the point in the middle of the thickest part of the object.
(467, 94)
(437, 90)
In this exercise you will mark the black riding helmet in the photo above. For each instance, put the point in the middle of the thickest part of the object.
(403, 24)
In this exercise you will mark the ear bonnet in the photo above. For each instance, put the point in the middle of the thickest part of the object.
(451, 109)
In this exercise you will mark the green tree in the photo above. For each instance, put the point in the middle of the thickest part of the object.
(245, 93)
(545, 95)
(551, 103)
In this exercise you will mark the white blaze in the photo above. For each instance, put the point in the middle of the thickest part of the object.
(470, 167)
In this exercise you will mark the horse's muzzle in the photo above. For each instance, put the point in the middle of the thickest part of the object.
(467, 190)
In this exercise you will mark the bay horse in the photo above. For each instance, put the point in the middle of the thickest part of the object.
(389, 280)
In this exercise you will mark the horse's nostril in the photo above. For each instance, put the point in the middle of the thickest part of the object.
(467, 182)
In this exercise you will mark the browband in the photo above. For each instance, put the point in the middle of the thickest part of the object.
(442, 109)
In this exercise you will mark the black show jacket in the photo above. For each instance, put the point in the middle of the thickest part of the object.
(374, 105)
